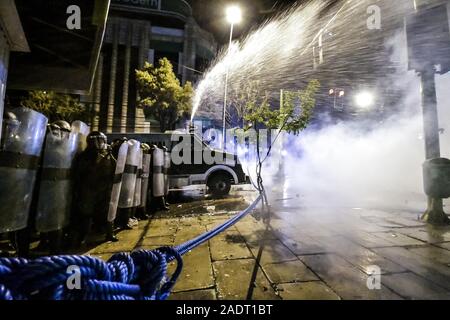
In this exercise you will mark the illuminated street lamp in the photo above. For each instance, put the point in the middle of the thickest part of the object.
(337, 92)
(364, 99)
(234, 15)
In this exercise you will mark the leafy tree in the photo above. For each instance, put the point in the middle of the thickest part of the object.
(161, 94)
(256, 111)
(56, 106)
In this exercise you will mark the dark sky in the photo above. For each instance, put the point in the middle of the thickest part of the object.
(210, 14)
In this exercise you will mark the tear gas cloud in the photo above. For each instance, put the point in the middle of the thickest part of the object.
(349, 163)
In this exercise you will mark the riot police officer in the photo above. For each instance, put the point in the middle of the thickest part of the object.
(115, 146)
(93, 179)
(127, 203)
(23, 133)
(54, 196)
(145, 175)
(158, 185)
(166, 168)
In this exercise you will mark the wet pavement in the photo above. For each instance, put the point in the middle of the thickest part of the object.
(305, 253)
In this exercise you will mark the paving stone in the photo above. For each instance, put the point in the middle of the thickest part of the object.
(215, 223)
(343, 278)
(208, 294)
(433, 253)
(377, 222)
(271, 251)
(191, 221)
(315, 290)
(162, 227)
(250, 223)
(103, 256)
(428, 234)
(366, 259)
(368, 240)
(127, 242)
(144, 224)
(411, 286)
(398, 239)
(186, 233)
(305, 247)
(290, 271)
(445, 245)
(197, 270)
(157, 241)
(406, 222)
(317, 231)
(255, 235)
(428, 269)
(229, 245)
(358, 255)
(233, 281)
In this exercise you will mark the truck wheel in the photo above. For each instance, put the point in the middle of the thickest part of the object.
(219, 185)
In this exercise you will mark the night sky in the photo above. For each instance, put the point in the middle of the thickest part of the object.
(210, 14)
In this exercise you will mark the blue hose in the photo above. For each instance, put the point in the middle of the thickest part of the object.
(139, 275)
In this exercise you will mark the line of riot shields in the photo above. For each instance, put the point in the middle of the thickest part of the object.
(64, 185)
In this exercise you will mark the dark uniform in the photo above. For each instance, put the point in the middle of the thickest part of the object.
(93, 178)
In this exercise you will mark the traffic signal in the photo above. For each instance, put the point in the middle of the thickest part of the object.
(428, 38)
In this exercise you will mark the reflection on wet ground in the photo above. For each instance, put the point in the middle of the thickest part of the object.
(304, 253)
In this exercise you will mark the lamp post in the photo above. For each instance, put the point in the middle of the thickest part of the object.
(337, 92)
(234, 15)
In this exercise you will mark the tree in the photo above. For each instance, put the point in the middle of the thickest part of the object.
(257, 111)
(56, 106)
(161, 94)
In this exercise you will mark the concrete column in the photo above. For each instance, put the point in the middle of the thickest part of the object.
(189, 51)
(140, 123)
(97, 94)
(144, 43)
(126, 80)
(112, 83)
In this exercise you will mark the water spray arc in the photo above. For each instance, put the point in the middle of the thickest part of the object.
(279, 55)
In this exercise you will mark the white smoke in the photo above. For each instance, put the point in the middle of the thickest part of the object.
(364, 164)
(357, 163)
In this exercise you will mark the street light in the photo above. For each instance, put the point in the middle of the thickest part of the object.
(234, 15)
(364, 99)
(337, 92)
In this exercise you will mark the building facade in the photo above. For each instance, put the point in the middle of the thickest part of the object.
(139, 31)
(12, 38)
(38, 51)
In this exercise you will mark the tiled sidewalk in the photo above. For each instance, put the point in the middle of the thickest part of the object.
(306, 253)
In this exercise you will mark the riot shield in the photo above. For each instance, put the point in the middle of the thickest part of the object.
(55, 188)
(120, 167)
(138, 186)
(146, 162)
(158, 175)
(20, 151)
(82, 130)
(126, 198)
(166, 172)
